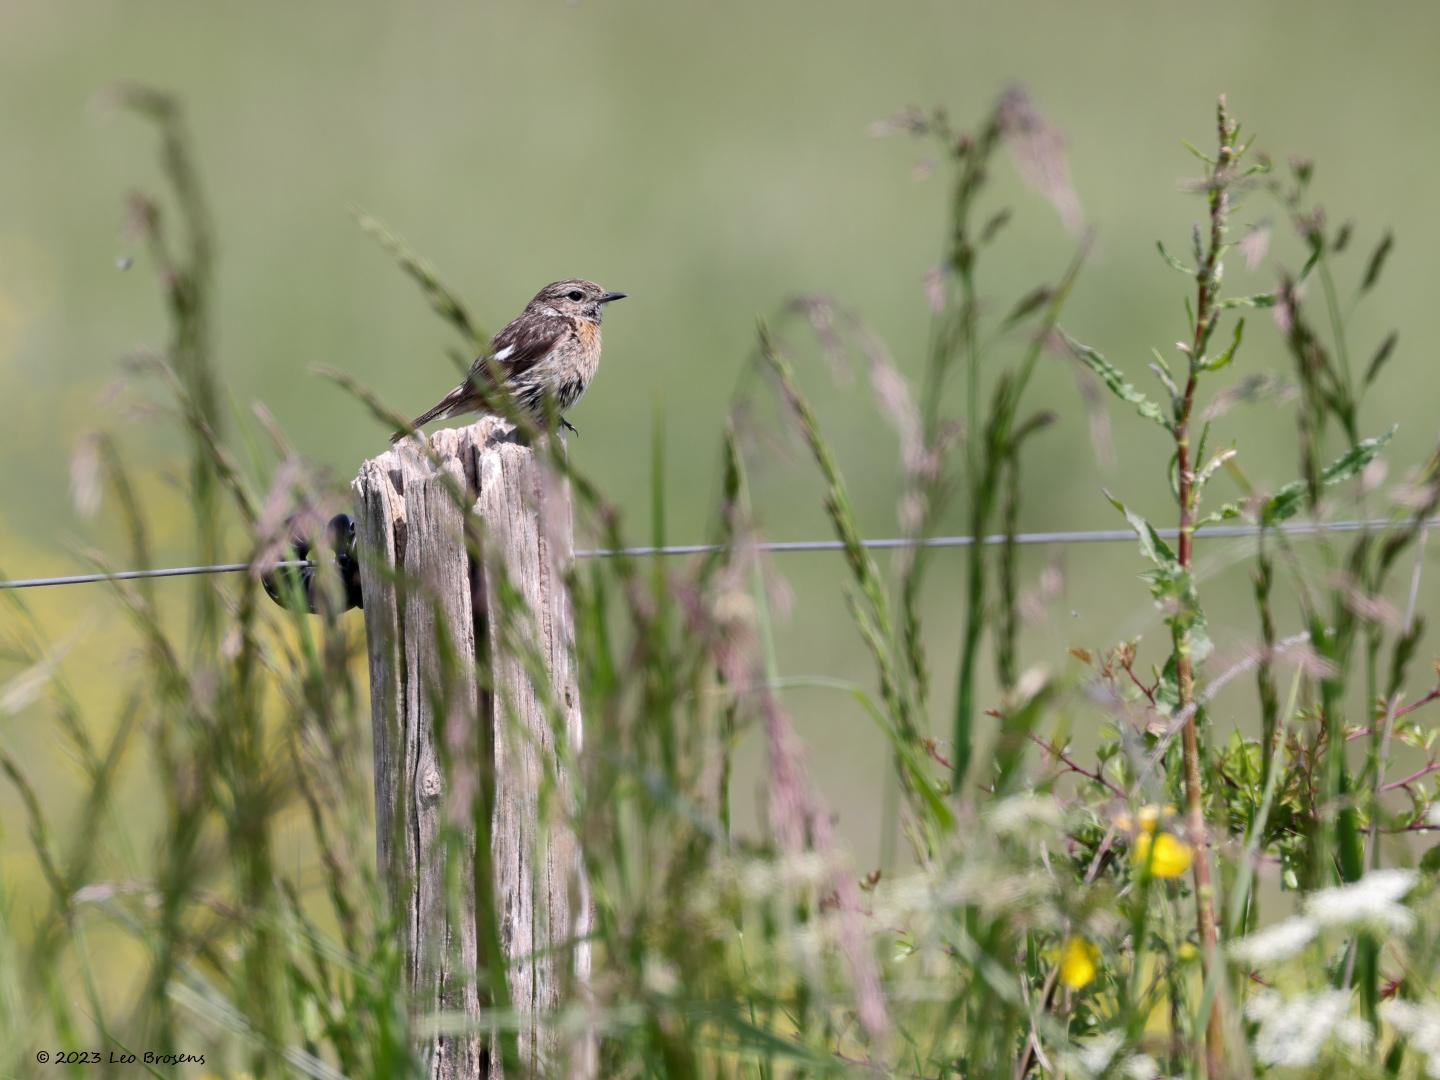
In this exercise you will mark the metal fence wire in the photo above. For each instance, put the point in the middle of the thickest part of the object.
(1065, 536)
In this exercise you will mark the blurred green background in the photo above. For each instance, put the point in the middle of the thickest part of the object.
(712, 160)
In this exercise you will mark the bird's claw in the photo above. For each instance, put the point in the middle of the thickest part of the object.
(568, 426)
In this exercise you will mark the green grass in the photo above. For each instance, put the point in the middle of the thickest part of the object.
(1078, 907)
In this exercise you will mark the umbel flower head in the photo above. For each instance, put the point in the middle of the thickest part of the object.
(1374, 900)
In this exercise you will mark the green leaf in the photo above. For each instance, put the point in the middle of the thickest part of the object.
(1255, 300)
(1121, 387)
(1204, 475)
(1188, 145)
(1217, 362)
(1228, 512)
(1204, 441)
(1167, 688)
(1200, 644)
(1171, 585)
(1188, 271)
(1288, 500)
(1152, 544)
(1430, 861)
(941, 814)
(1162, 372)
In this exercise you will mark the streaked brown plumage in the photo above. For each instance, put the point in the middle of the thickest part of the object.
(545, 358)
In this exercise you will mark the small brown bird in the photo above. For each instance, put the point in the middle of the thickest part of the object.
(544, 359)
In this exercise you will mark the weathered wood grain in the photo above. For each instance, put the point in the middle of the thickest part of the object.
(476, 716)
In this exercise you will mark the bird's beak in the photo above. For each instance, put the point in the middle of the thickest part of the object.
(612, 296)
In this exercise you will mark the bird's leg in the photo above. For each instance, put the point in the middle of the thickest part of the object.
(568, 426)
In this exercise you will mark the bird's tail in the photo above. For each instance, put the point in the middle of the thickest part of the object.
(458, 400)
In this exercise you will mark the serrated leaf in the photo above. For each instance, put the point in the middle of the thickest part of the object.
(1113, 378)
(1188, 271)
(1288, 500)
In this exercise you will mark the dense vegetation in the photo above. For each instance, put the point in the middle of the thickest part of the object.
(1082, 908)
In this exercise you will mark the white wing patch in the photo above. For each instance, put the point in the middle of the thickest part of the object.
(505, 353)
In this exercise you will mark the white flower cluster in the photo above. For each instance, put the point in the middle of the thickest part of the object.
(1421, 1025)
(1095, 1056)
(1276, 943)
(1293, 1031)
(1141, 1067)
(1373, 901)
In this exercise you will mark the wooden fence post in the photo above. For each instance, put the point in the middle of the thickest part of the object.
(462, 732)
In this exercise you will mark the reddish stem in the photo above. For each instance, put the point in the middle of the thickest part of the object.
(1074, 766)
(1418, 774)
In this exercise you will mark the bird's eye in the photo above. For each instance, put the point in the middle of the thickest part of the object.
(575, 294)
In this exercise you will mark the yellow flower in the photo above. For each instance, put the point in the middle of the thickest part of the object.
(1079, 961)
(1170, 857)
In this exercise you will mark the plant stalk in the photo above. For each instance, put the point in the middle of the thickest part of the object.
(1206, 314)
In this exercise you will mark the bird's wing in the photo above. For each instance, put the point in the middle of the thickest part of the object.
(520, 346)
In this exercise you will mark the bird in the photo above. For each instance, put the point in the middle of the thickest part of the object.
(543, 359)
